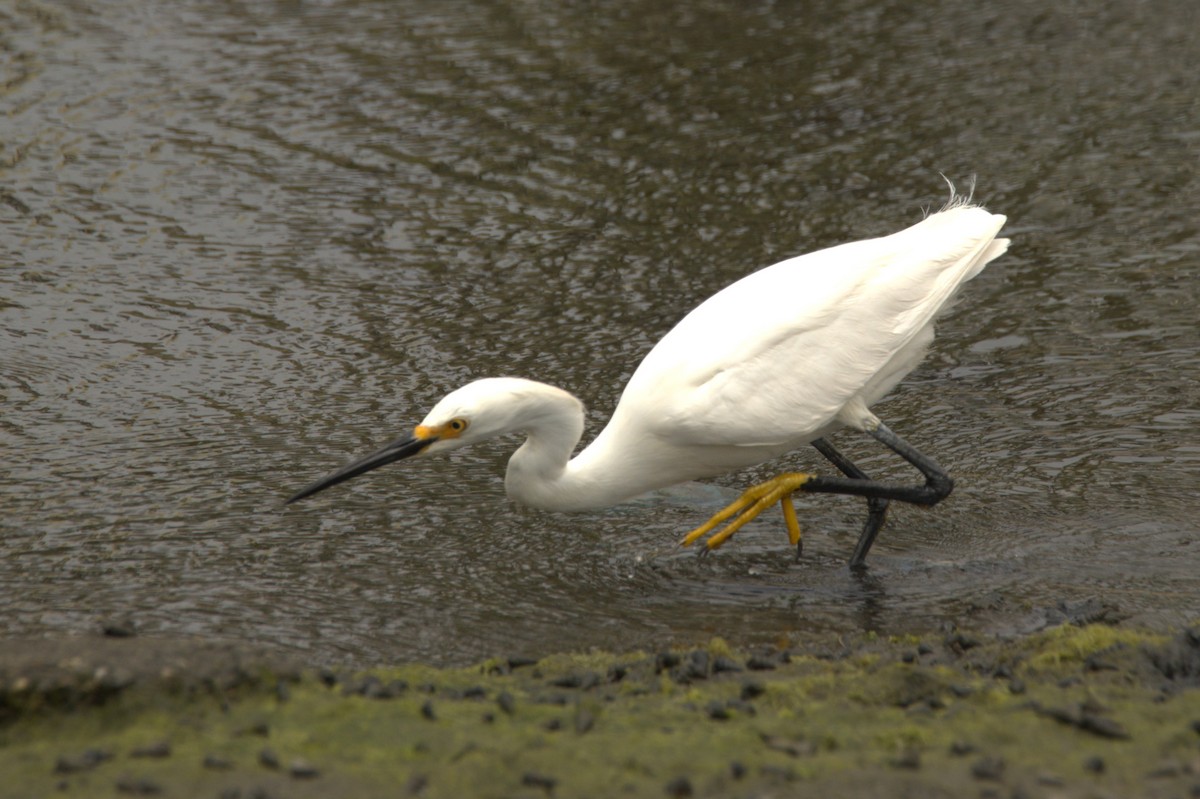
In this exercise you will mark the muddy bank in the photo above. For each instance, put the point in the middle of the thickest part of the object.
(1095, 710)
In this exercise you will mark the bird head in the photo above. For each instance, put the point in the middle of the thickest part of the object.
(476, 412)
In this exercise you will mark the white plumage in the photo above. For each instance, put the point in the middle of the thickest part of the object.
(778, 359)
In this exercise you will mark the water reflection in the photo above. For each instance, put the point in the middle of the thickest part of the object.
(244, 241)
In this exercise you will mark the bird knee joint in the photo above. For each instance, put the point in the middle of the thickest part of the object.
(939, 487)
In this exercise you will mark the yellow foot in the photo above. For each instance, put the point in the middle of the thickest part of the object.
(753, 501)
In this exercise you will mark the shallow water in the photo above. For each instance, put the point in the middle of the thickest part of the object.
(242, 243)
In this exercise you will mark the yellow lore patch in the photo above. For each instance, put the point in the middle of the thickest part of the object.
(451, 429)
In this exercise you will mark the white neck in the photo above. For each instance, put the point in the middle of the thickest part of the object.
(542, 474)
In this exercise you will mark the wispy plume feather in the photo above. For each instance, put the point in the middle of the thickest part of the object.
(958, 200)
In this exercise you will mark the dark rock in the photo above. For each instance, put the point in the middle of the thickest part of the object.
(737, 770)
(87, 760)
(521, 662)
(741, 706)
(156, 749)
(1179, 660)
(616, 673)
(259, 728)
(988, 768)
(139, 786)
(583, 682)
(1086, 719)
(680, 675)
(532, 779)
(427, 710)
(796, 747)
(919, 685)
(367, 686)
(664, 661)
(378, 690)
(722, 664)
(679, 787)
(1102, 726)
(119, 628)
(752, 689)
(268, 759)
(216, 763)
(761, 663)
(959, 642)
(697, 665)
(1094, 764)
(1076, 612)
(960, 748)
(1097, 662)
(716, 710)
(506, 702)
(374, 688)
(1091, 610)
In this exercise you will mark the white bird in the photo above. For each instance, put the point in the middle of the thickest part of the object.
(780, 359)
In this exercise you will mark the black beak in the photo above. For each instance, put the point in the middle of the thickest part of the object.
(397, 450)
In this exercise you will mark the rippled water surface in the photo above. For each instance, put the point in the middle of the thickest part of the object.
(244, 242)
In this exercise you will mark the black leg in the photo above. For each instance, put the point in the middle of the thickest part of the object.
(876, 506)
(937, 487)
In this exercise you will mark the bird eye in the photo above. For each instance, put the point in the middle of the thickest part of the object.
(458, 425)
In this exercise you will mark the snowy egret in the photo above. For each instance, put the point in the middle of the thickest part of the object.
(779, 359)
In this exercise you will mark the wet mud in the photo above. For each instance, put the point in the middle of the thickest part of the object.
(1092, 710)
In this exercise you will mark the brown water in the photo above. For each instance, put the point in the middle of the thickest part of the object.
(244, 242)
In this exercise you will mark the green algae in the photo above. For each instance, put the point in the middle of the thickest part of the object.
(1072, 710)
